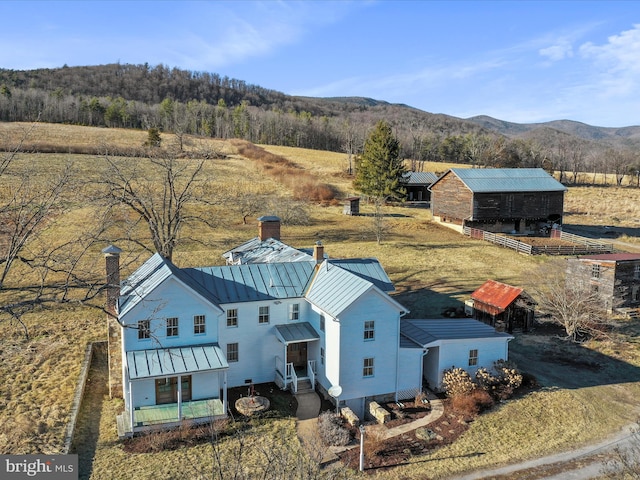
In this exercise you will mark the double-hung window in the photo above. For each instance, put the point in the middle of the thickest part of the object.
(232, 352)
(199, 325)
(294, 311)
(232, 317)
(473, 357)
(369, 330)
(367, 367)
(172, 327)
(144, 329)
(263, 314)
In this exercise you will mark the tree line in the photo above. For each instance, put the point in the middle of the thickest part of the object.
(206, 104)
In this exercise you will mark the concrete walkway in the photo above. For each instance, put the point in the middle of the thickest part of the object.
(307, 428)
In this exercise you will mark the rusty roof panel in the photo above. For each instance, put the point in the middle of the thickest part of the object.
(496, 294)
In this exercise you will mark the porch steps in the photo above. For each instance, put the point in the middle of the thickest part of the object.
(304, 386)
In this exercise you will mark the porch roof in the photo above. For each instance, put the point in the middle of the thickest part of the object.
(296, 332)
(163, 362)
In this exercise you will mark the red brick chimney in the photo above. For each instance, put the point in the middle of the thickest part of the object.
(268, 227)
(318, 252)
(114, 330)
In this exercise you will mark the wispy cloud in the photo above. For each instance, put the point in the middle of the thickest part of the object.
(241, 31)
(559, 51)
(616, 63)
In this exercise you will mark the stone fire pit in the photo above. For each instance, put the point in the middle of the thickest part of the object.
(251, 405)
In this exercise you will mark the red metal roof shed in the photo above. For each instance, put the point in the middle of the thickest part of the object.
(496, 294)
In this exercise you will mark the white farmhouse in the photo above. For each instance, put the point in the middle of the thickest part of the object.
(180, 337)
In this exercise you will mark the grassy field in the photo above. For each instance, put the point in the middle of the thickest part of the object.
(432, 267)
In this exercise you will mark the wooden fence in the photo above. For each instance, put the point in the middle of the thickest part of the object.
(581, 245)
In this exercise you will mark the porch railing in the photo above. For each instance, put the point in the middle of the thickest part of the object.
(311, 369)
(291, 373)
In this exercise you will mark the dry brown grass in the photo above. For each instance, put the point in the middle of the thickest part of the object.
(432, 268)
(618, 206)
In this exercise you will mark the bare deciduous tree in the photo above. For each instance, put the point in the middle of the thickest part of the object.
(161, 191)
(569, 301)
(37, 266)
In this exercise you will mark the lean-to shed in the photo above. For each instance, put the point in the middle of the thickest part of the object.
(504, 307)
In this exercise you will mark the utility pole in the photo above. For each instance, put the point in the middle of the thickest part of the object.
(362, 430)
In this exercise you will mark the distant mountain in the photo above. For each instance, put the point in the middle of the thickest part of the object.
(202, 103)
(570, 127)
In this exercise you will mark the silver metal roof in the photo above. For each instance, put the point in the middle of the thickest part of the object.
(493, 180)
(338, 284)
(419, 178)
(167, 362)
(368, 269)
(150, 275)
(296, 332)
(254, 282)
(264, 251)
(428, 332)
(334, 288)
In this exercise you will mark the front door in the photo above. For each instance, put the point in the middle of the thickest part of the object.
(297, 354)
(167, 390)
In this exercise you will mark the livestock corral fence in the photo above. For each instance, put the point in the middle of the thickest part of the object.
(571, 244)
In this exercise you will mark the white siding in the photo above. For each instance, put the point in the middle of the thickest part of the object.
(206, 385)
(144, 392)
(258, 345)
(383, 348)
(332, 348)
(410, 370)
(431, 368)
(171, 299)
(456, 354)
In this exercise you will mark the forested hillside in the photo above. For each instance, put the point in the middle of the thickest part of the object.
(201, 103)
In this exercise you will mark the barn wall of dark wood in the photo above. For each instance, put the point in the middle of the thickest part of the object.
(627, 283)
(524, 205)
(451, 199)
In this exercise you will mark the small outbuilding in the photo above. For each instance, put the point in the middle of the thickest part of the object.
(504, 307)
(615, 277)
(351, 206)
(417, 185)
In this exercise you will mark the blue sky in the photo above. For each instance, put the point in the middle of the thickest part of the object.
(518, 61)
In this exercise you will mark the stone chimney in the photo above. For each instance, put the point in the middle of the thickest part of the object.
(114, 330)
(318, 252)
(112, 259)
(268, 227)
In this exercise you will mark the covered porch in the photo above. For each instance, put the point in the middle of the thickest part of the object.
(295, 369)
(166, 386)
(169, 415)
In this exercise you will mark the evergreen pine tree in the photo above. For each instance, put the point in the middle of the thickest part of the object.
(379, 169)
